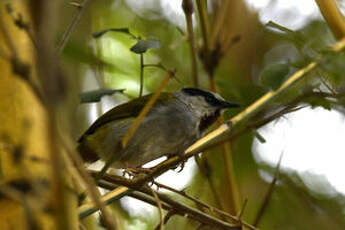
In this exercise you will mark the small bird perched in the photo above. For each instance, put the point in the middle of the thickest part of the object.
(175, 121)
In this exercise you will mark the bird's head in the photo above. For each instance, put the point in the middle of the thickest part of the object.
(206, 105)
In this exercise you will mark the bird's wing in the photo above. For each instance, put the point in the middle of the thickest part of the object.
(126, 110)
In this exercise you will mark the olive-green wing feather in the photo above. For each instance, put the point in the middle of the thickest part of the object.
(126, 110)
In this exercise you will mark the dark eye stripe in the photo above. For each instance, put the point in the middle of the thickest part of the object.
(213, 101)
(210, 99)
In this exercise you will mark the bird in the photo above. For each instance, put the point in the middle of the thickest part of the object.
(175, 121)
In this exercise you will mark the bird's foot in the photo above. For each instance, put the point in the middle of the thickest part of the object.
(134, 171)
(182, 164)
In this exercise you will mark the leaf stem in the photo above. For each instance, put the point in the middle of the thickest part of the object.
(141, 74)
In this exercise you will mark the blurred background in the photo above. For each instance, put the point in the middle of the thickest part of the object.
(251, 46)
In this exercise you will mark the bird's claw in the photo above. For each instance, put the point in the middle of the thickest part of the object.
(134, 171)
(183, 163)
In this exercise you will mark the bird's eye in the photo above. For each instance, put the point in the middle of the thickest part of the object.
(211, 100)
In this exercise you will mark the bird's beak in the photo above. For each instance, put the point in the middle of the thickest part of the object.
(228, 104)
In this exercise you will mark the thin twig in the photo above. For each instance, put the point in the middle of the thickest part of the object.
(242, 209)
(230, 177)
(141, 74)
(198, 202)
(187, 6)
(146, 109)
(229, 42)
(140, 196)
(179, 207)
(205, 170)
(217, 25)
(160, 209)
(87, 209)
(167, 217)
(200, 216)
(147, 198)
(88, 182)
(210, 61)
(204, 23)
(229, 173)
(268, 195)
(72, 26)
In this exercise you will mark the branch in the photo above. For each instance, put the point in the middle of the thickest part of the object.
(198, 202)
(218, 23)
(229, 173)
(166, 218)
(333, 17)
(205, 170)
(71, 27)
(242, 209)
(89, 208)
(204, 23)
(177, 206)
(187, 6)
(268, 195)
(159, 205)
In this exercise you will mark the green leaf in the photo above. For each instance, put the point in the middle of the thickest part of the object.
(333, 66)
(78, 52)
(143, 45)
(96, 95)
(119, 30)
(273, 75)
(320, 102)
